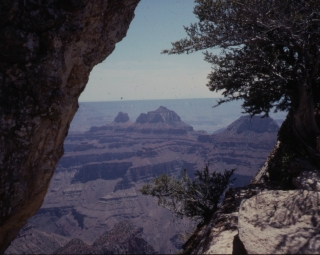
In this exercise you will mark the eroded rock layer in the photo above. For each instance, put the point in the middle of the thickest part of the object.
(97, 181)
(47, 51)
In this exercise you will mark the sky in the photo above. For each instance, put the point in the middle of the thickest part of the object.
(137, 71)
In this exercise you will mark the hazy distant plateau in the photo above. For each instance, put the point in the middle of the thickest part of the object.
(96, 184)
(197, 112)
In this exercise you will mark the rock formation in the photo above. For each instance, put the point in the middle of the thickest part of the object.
(47, 51)
(121, 117)
(220, 234)
(243, 145)
(97, 180)
(123, 238)
(281, 222)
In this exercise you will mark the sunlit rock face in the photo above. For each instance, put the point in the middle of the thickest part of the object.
(47, 50)
(280, 222)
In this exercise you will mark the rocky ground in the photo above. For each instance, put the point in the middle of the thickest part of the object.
(96, 183)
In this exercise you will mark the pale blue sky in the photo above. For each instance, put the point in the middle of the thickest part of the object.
(136, 69)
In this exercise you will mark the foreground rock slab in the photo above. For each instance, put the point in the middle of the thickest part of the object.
(220, 234)
(281, 222)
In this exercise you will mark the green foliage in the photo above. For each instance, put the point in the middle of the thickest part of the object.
(270, 50)
(197, 198)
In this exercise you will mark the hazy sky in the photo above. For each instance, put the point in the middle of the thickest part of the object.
(137, 70)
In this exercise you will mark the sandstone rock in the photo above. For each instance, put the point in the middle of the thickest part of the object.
(47, 51)
(281, 222)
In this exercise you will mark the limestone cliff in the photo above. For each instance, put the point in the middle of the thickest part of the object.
(47, 51)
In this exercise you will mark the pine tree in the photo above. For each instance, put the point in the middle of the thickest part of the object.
(270, 56)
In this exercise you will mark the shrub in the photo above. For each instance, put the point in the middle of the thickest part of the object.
(196, 198)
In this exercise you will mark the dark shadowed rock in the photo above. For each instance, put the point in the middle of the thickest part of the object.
(162, 118)
(255, 124)
(101, 170)
(121, 117)
(123, 238)
(47, 51)
(45, 243)
(75, 246)
(156, 118)
(143, 118)
(245, 126)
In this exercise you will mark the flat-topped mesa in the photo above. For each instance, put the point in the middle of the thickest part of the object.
(162, 118)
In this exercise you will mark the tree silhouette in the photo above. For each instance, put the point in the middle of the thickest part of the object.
(270, 58)
(196, 198)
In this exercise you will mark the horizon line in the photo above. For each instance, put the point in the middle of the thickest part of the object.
(122, 100)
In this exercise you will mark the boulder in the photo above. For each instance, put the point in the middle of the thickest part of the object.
(281, 222)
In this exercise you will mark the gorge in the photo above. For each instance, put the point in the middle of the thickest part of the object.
(47, 51)
(96, 183)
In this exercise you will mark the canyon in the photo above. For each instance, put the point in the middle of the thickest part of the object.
(96, 183)
(47, 51)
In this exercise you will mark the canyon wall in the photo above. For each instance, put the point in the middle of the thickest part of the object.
(47, 51)
(97, 181)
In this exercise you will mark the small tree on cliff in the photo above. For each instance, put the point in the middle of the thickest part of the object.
(197, 198)
(270, 58)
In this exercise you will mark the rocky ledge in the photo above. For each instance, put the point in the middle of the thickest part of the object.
(257, 220)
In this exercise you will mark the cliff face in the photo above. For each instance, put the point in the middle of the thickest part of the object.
(47, 51)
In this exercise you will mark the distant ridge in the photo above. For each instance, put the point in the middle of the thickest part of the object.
(245, 126)
(161, 120)
(197, 112)
(256, 124)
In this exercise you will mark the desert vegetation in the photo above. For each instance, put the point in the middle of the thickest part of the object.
(196, 198)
